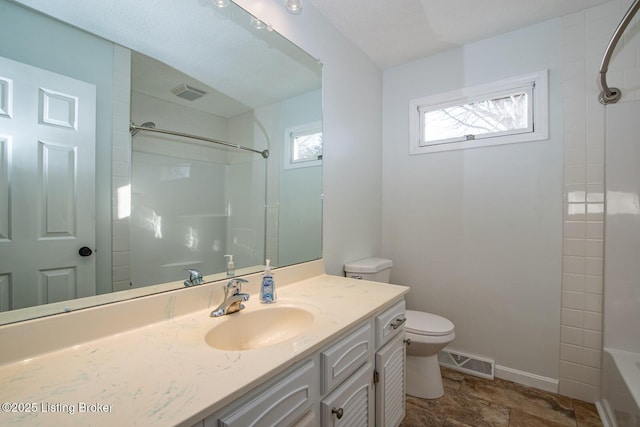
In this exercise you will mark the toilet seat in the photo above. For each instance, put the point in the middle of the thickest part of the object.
(427, 324)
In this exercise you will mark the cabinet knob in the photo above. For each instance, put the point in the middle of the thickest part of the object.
(339, 412)
(407, 341)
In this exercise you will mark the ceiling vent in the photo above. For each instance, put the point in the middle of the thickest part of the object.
(187, 92)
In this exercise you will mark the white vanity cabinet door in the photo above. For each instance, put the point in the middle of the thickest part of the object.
(390, 387)
(285, 403)
(345, 356)
(389, 323)
(352, 403)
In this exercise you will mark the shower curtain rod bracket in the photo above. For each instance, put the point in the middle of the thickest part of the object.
(612, 95)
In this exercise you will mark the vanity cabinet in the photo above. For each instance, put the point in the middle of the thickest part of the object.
(356, 380)
(286, 401)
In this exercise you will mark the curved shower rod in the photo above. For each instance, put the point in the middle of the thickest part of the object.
(135, 128)
(612, 95)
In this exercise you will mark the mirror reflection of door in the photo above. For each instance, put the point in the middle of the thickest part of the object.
(47, 186)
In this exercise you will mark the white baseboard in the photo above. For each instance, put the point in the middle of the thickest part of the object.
(526, 378)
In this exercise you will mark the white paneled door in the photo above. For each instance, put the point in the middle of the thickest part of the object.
(47, 186)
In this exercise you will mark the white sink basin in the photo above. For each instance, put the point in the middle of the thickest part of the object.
(249, 330)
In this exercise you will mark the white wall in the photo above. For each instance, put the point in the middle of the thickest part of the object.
(477, 233)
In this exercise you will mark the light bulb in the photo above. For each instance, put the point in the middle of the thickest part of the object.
(293, 6)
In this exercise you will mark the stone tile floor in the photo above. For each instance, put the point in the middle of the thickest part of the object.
(478, 402)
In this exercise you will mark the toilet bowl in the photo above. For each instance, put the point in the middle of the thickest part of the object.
(427, 334)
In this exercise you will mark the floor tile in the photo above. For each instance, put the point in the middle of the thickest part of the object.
(470, 401)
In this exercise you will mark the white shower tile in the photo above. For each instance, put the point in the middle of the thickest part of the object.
(571, 371)
(594, 266)
(575, 211)
(570, 335)
(573, 318)
(592, 321)
(573, 265)
(575, 229)
(570, 388)
(595, 193)
(571, 353)
(595, 248)
(595, 229)
(573, 282)
(574, 300)
(575, 193)
(593, 302)
(592, 373)
(595, 173)
(574, 247)
(591, 339)
(593, 284)
(595, 211)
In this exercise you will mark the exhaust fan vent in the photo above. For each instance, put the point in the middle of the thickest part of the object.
(187, 92)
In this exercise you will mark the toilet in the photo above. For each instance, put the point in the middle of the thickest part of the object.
(426, 333)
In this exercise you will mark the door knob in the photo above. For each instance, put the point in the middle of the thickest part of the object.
(85, 251)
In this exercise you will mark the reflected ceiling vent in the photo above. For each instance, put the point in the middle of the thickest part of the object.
(187, 92)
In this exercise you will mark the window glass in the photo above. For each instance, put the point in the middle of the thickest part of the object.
(306, 147)
(508, 111)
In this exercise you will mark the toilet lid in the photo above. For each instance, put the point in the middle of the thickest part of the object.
(421, 323)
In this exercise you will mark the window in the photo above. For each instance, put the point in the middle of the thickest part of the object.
(304, 146)
(513, 110)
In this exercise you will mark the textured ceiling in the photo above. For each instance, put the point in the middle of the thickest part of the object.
(393, 32)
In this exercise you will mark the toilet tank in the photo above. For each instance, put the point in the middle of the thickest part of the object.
(375, 269)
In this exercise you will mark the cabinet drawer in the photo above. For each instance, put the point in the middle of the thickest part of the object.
(281, 404)
(352, 403)
(345, 356)
(389, 323)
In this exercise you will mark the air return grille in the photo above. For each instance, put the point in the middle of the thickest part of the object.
(467, 363)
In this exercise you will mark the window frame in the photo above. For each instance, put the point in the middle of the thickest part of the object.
(289, 137)
(538, 112)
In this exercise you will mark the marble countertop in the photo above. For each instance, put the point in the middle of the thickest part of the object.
(164, 374)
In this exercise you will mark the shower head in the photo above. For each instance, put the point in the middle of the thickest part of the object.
(134, 129)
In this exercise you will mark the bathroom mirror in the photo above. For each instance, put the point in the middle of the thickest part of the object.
(158, 204)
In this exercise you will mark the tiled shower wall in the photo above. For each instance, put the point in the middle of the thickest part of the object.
(585, 37)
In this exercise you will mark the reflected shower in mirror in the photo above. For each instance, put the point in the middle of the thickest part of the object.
(150, 204)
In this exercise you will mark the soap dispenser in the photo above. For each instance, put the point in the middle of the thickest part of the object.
(268, 286)
(231, 267)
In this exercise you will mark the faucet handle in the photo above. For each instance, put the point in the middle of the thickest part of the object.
(195, 277)
(235, 285)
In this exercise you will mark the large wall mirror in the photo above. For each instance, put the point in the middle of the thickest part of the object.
(136, 144)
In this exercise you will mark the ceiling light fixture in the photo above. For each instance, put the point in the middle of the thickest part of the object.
(257, 24)
(221, 3)
(293, 6)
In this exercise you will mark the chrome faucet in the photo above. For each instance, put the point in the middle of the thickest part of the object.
(195, 278)
(233, 299)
